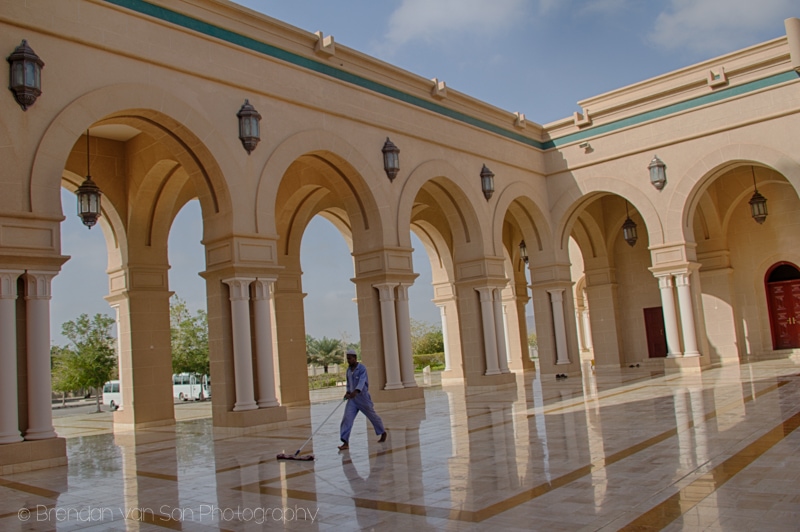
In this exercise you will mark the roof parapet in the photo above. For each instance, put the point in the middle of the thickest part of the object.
(793, 35)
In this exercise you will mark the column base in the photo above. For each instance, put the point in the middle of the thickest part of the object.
(40, 434)
(397, 397)
(412, 384)
(394, 386)
(492, 372)
(245, 407)
(683, 365)
(251, 420)
(12, 437)
(124, 426)
(32, 455)
(499, 379)
(268, 404)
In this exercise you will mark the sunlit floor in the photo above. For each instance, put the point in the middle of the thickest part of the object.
(634, 450)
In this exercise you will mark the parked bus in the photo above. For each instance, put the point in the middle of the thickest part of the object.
(185, 387)
(112, 395)
(191, 387)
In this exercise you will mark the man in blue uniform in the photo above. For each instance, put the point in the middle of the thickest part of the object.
(358, 400)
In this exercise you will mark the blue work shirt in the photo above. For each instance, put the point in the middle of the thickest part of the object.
(357, 379)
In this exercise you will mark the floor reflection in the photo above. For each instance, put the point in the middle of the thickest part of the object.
(630, 449)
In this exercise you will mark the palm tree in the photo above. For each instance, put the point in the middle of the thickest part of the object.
(324, 352)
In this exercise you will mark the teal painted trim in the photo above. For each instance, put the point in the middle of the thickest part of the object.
(185, 21)
(674, 108)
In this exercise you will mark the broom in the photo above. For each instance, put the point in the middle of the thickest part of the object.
(308, 457)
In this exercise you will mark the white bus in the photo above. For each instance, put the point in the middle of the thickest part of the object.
(112, 395)
(191, 387)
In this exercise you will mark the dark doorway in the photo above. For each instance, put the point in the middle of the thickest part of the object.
(654, 327)
(783, 298)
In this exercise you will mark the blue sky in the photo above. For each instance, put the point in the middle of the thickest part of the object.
(537, 57)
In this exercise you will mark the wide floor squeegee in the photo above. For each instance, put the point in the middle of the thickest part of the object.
(308, 457)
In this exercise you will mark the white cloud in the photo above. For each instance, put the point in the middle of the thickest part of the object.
(439, 20)
(717, 26)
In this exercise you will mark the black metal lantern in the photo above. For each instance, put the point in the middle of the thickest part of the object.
(249, 132)
(487, 182)
(523, 251)
(658, 172)
(88, 195)
(758, 203)
(25, 79)
(629, 232)
(391, 159)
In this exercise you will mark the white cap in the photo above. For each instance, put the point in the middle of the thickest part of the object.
(352, 352)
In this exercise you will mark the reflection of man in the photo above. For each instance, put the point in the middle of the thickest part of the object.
(366, 489)
(358, 400)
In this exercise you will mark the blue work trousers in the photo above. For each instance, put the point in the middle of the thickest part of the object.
(360, 403)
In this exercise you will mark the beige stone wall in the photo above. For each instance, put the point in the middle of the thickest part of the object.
(162, 102)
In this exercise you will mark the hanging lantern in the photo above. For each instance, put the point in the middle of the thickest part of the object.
(758, 203)
(523, 251)
(487, 182)
(249, 132)
(629, 232)
(658, 172)
(391, 159)
(88, 195)
(25, 79)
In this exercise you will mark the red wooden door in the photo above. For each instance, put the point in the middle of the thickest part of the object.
(784, 306)
(654, 327)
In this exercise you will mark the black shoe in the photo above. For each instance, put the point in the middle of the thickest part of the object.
(383, 436)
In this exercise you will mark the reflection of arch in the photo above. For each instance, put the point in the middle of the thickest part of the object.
(138, 102)
(320, 150)
(689, 188)
(782, 286)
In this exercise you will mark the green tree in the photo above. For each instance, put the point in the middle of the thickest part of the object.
(64, 378)
(91, 360)
(189, 338)
(324, 352)
(426, 338)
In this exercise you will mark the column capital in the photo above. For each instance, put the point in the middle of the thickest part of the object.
(664, 281)
(8, 283)
(385, 291)
(682, 279)
(486, 293)
(239, 287)
(557, 294)
(263, 288)
(38, 284)
(402, 291)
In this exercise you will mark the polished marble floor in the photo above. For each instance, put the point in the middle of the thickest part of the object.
(634, 449)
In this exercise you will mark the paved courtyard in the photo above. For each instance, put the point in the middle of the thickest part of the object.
(634, 449)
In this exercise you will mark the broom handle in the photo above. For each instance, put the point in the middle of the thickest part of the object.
(320, 426)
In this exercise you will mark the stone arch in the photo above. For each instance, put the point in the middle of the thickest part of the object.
(690, 186)
(110, 222)
(517, 200)
(343, 159)
(569, 207)
(140, 106)
(440, 179)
